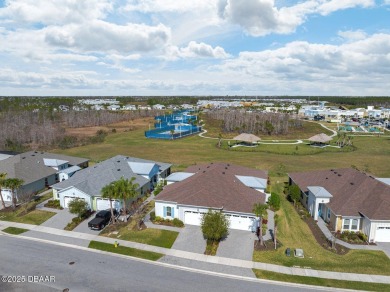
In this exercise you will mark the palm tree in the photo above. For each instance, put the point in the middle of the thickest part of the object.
(108, 192)
(259, 210)
(126, 189)
(13, 184)
(2, 180)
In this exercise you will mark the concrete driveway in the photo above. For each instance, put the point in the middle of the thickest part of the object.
(190, 239)
(385, 246)
(238, 245)
(83, 226)
(60, 220)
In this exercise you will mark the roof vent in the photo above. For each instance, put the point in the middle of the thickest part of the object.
(32, 154)
(352, 183)
(204, 171)
(326, 178)
(332, 170)
(339, 174)
(208, 166)
(226, 167)
(223, 172)
(212, 163)
(335, 172)
(118, 161)
(23, 157)
(35, 152)
(228, 164)
(118, 169)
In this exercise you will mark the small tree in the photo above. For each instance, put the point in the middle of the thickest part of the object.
(125, 189)
(294, 193)
(13, 184)
(215, 225)
(78, 207)
(274, 202)
(219, 140)
(259, 210)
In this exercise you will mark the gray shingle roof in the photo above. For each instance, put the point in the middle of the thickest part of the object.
(30, 166)
(92, 179)
(353, 192)
(215, 186)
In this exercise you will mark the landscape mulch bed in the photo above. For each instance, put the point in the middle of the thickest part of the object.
(321, 238)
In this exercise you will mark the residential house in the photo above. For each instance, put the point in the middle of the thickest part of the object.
(347, 199)
(222, 187)
(88, 183)
(39, 170)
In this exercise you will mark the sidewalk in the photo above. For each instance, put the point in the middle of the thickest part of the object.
(205, 258)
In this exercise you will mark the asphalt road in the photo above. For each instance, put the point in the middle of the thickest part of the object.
(80, 270)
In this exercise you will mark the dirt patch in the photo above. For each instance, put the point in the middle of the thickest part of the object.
(120, 127)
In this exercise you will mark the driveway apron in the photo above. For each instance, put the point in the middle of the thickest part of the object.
(238, 245)
(190, 239)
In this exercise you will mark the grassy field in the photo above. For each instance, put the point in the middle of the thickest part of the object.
(294, 233)
(15, 230)
(309, 129)
(372, 153)
(148, 255)
(321, 282)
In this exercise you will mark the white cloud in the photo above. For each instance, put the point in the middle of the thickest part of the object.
(198, 50)
(54, 12)
(101, 36)
(262, 17)
(154, 6)
(352, 35)
(328, 7)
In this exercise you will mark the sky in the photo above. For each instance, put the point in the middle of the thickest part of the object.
(194, 47)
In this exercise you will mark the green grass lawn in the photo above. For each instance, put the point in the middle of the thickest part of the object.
(151, 236)
(294, 233)
(321, 282)
(148, 255)
(36, 217)
(15, 230)
(184, 152)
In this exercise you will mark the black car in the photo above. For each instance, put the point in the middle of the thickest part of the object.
(101, 219)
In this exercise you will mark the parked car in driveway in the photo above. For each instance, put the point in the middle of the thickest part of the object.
(101, 219)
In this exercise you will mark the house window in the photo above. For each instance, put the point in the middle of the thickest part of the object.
(169, 211)
(355, 224)
(328, 215)
(346, 224)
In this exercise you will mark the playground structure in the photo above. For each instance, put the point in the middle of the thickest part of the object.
(174, 126)
(360, 129)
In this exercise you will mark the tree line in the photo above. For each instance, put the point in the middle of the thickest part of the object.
(254, 122)
(47, 128)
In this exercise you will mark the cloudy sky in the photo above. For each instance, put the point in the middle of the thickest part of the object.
(194, 47)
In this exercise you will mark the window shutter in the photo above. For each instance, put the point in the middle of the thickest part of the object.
(173, 212)
(165, 212)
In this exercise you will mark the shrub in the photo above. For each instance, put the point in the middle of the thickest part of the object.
(177, 222)
(152, 216)
(274, 201)
(158, 219)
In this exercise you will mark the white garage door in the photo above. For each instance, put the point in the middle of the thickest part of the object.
(192, 218)
(382, 234)
(67, 200)
(242, 222)
(104, 204)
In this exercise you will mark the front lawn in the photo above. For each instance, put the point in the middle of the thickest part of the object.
(321, 282)
(143, 254)
(151, 236)
(36, 217)
(294, 233)
(15, 230)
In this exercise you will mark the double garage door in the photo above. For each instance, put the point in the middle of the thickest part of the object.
(236, 221)
(382, 234)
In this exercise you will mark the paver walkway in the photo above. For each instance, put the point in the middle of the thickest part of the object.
(205, 258)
